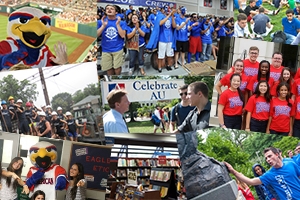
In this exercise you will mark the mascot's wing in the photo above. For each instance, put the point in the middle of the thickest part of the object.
(61, 178)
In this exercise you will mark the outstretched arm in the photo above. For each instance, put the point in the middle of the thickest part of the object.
(242, 177)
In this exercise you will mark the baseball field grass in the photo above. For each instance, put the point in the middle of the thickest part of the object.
(72, 42)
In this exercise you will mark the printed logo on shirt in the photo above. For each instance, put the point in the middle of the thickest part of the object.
(250, 71)
(275, 75)
(234, 102)
(111, 32)
(168, 24)
(46, 181)
(280, 180)
(243, 86)
(262, 107)
(298, 107)
(298, 90)
(116, 86)
(282, 110)
(184, 27)
(254, 86)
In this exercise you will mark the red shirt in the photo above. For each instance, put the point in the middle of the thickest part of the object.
(246, 193)
(253, 83)
(250, 69)
(281, 114)
(275, 72)
(232, 103)
(296, 88)
(226, 81)
(259, 107)
(273, 91)
(297, 108)
(297, 75)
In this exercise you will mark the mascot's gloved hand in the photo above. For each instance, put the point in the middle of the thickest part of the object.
(15, 57)
(61, 183)
(35, 178)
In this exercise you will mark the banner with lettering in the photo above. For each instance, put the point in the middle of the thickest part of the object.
(144, 90)
(146, 3)
(95, 160)
(66, 25)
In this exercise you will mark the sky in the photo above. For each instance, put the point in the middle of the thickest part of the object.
(71, 78)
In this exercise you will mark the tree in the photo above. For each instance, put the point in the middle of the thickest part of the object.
(63, 100)
(91, 89)
(18, 89)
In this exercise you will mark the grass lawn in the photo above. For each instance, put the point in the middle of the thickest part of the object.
(72, 43)
(275, 19)
(141, 127)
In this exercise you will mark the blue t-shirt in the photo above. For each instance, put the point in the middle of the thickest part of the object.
(182, 34)
(141, 38)
(166, 31)
(145, 28)
(207, 37)
(295, 11)
(111, 40)
(195, 31)
(258, 3)
(182, 113)
(284, 180)
(290, 27)
(228, 30)
(221, 31)
(151, 18)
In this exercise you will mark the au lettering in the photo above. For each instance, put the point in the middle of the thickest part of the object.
(158, 95)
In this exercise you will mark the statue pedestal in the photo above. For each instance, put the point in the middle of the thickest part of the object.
(226, 191)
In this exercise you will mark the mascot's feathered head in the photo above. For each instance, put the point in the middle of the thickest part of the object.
(43, 154)
(30, 25)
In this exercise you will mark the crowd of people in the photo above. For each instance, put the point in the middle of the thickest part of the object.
(261, 96)
(172, 32)
(79, 16)
(261, 25)
(11, 179)
(42, 122)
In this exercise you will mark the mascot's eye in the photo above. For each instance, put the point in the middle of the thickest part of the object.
(44, 21)
(35, 151)
(48, 149)
(23, 20)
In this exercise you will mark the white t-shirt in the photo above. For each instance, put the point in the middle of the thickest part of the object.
(7, 193)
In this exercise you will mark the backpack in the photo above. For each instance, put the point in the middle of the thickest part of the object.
(155, 120)
(176, 113)
(279, 37)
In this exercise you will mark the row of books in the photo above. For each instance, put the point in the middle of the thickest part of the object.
(139, 172)
(122, 162)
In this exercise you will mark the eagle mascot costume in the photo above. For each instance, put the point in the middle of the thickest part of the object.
(45, 175)
(28, 30)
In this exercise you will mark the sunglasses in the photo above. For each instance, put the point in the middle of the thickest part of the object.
(184, 93)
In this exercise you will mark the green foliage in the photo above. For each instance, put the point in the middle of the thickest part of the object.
(63, 100)
(258, 142)
(91, 89)
(209, 80)
(18, 89)
(286, 143)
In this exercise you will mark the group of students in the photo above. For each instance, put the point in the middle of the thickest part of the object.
(11, 179)
(164, 28)
(38, 122)
(261, 97)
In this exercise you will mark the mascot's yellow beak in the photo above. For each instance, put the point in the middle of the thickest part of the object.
(42, 153)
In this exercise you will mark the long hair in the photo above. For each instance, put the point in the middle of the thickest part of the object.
(238, 89)
(267, 95)
(130, 23)
(288, 94)
(76, 179)
(37, 193)
(17, 172)
(259, 70)
(290, 81)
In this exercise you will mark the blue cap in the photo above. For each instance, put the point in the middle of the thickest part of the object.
(3, 102)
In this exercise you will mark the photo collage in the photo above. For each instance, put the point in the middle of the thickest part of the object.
(149, 100)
